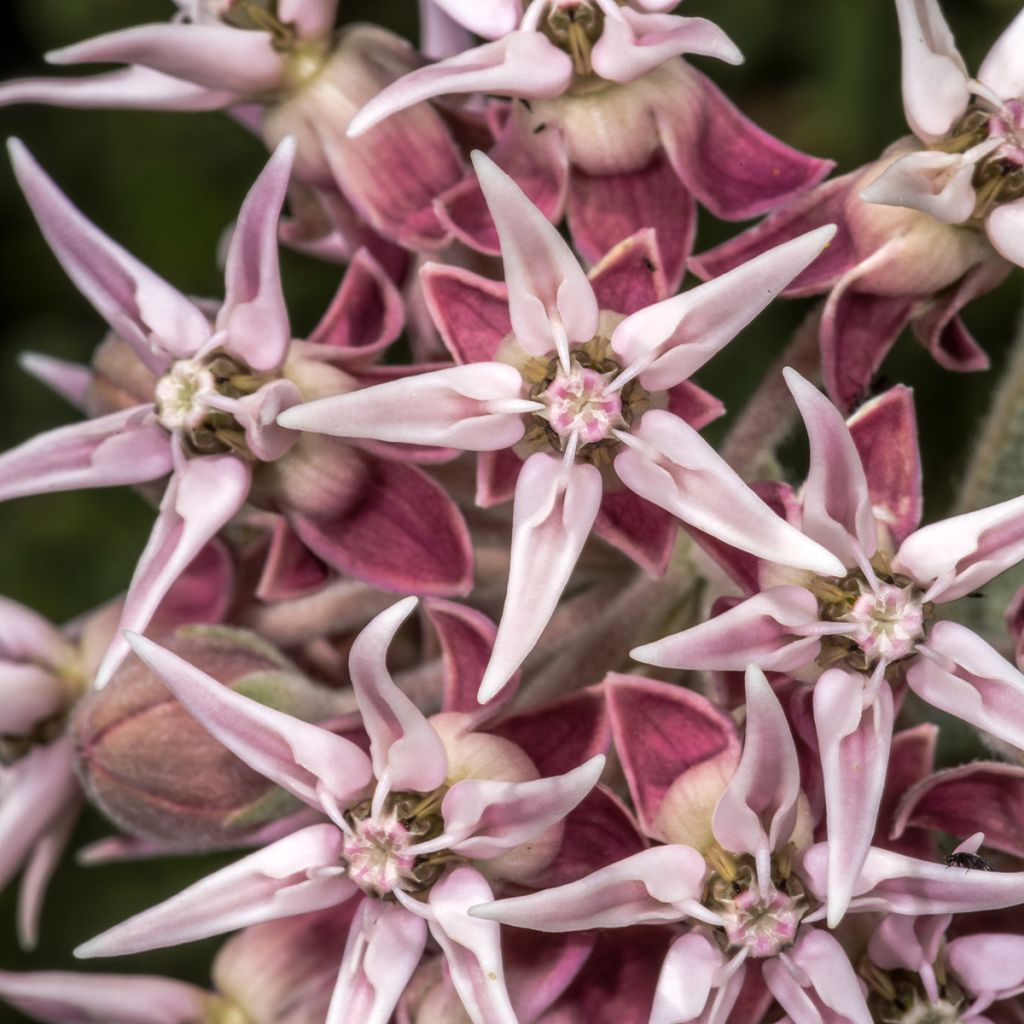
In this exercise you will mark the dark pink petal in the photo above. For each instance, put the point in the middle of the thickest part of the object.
(644, 532)
(302, 758)
(154, 318)
(734, 168)
(693, 404)
(662, 884)
(253, 317)
(278, 881)
(662, 732)
(980, 797)
(470, 311)
(555, 507)
(471, 946)
(631, 275)
(956, 556)
(911, 761)
(127, 447)
(202, 593)
(290, 568)
(407, 753)
(215, 56)
(69, 380)
(496, 476)
(605, 210)
(203, 496)
(75, 998)
(884, 431)
(399, 531)
(689, 974)
(539, 968)
(854, 737)
(777, 629)
(988, 965)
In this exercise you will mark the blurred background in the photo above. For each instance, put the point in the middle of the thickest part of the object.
(821, 74)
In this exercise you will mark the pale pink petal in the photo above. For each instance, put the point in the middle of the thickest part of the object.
(909, 943)
(253, 318)
(1002, 70)
(484, 818)
(278, 881)
(257, 415)
(407, 753)
(478, 407)
(854, 739)
(963, 676)
(384, 947)
(688, 977)
(958, 555)
(156, 319)
(44, 860)
(670, 464)
(470, 311)
(551, 302)
(135, 88)
(471, 946)
(523, 64)
(29, 696)
(666, 343)
(440, 35)
(69, 380)
(214, 56)
(662, 884)
(935, 81)
(555, 507)
(1005, 226)
(939, 184)
(203, 496)
(27, 636)
(837, 510)
(988, 964)
(302, 758)
(61, 997)
(757, 812)
(632, 44)
(127, 447)
(311, 19)
(491, 19)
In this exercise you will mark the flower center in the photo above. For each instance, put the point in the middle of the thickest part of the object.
(578, 402)
(898, 997)
(574, 26)
(180, 395)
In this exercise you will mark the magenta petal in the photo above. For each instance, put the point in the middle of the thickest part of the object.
(384, 947)
(277, 881)
(470, 312)
(776, 630)
(202, 497)
(157, 320)
(496, 476)
(539, 968)
(662, 884)
(911, 762)
(69, 380)
(400, 531)
(254, 318)
(290, 568)
(302, 758)
(688, 977)
(605, 210)
(662, 732)
(631, 275)
(203, 593)
(407, 753)
(694, 405)
(854, 739)
(71, 998)
(884, 431)
(644, 532)
(127, 447)
(734, 168)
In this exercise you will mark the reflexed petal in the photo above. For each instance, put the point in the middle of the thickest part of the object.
(156, 319)
(523, 64)
(470, 312)
(668, 342)
(939, 184)
(27, 636)
(477, 408)
(1002, 70)
(965, 552)
(908, 943)
(988, 965)
(854, 740)
(300, 757)
(127, 447)
(202, 497)
(935, 81)
(69, 380)
(271, 883)
(1005, 226)
(553, 513)
(675, 468)
(687, 979)
(551, 302)
(662, 884)
(837, 510)
(254, 316)
(407, 753)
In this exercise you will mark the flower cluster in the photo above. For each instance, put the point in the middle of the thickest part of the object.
(517, 700)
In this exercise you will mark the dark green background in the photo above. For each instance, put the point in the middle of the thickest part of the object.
(822, 74)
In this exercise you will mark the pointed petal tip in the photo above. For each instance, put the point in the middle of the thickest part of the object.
(493, 682)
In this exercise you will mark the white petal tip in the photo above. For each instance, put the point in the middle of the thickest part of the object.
(491, 685)
(484, 911)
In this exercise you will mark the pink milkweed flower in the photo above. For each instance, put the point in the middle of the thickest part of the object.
(733, 822)
(413, 831)
(612, 128)
(857, 634)
(282, 66)
(183, 391)
(584, 395)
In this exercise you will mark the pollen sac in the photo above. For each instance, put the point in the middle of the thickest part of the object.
(574, 26)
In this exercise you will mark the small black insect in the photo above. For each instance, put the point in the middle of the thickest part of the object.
(968, 861)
